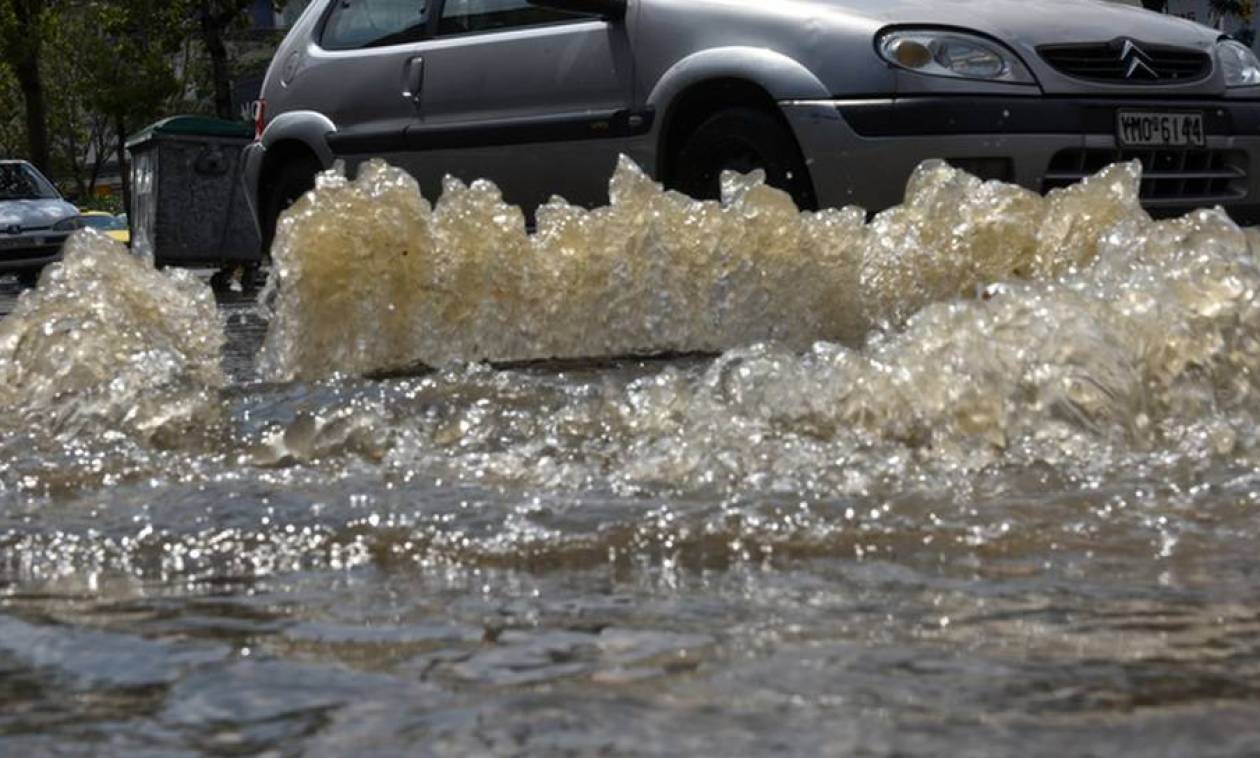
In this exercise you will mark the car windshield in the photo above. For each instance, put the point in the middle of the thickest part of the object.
(19, 181)
(107, 223)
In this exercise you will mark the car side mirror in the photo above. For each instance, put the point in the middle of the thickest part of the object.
(614, 10)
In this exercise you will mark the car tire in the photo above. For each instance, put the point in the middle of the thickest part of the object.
(743, 140)
(293, 179)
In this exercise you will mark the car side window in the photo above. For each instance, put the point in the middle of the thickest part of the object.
(354, 24)
(465, 16)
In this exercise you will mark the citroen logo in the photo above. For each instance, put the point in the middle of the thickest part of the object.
(1137, 62)
(13, 229)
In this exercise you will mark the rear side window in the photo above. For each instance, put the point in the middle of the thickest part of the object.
(354, 24)
(464, 16)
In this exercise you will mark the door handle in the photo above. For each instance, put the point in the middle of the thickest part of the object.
(413, 79)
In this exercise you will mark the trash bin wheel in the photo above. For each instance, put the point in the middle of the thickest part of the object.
(294, 178)
(247, 277)
(221, 280)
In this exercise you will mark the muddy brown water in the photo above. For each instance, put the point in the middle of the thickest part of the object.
(1019, 523)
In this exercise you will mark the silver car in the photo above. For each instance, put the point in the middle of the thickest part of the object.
(34, 221)
(837, 99)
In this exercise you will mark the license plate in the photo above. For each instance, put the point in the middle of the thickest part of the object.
(1154, 129)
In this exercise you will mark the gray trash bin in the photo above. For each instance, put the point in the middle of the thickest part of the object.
(188, 204)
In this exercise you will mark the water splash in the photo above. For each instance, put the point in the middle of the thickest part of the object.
(370, 278)
(978, 323)
(1037, 436)
(108, 344)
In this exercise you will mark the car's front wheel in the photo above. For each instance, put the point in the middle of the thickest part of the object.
(743, 140)
(294, 178)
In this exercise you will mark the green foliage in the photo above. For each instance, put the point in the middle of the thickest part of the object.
(12, 121)
(20, 27)
(123, 56)
(110, 204)
(109, 67)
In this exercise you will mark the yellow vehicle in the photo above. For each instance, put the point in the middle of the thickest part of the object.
(114, 227)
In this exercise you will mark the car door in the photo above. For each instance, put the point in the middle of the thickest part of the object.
(537, 100)
(362, 71)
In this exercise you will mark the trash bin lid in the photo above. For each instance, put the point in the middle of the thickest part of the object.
(200, 126)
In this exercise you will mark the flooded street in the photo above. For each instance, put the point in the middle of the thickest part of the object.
(976, 478)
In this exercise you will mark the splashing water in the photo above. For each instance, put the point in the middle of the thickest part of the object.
(369, 278)
(1154, 346)
(978, 322)
(1095, 328)
(981, 468)
(107, 343)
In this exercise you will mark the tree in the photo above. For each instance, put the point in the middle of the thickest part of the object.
(76, 76)
(79, 136)
(215, 19)
(1219, 9)
(21, 43)
(12, 115)
(124, 58)
(1222, 8)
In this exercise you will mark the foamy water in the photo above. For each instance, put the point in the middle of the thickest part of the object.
(976, 476)
(976, 323)
(370, 278)
(107, 344)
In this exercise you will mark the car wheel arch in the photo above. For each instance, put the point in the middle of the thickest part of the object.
(293, 135)
(308, 128)
(706, 82)
(783, 77)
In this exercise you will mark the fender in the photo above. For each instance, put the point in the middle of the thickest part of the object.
(779, 75)
(308, 127)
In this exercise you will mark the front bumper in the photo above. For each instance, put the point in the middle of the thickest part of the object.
(862, 152)
(30, 252)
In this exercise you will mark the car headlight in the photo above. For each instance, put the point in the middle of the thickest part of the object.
(954, 54)
(72, 224)
(1241, 67)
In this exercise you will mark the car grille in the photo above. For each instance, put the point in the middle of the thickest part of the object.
(14, 254)
(1125, 62)
(1189, 177)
